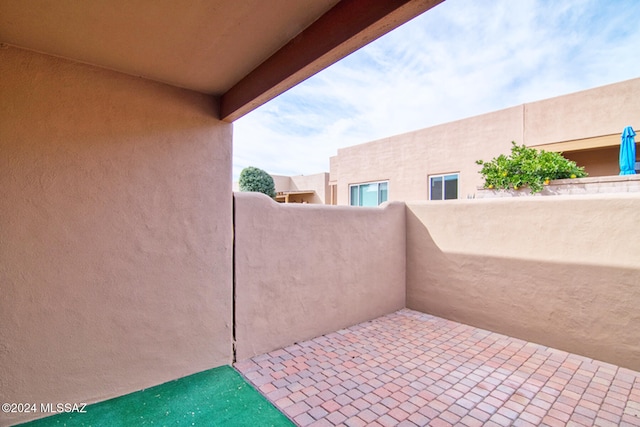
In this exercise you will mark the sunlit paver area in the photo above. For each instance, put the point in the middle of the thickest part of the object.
(413, 369)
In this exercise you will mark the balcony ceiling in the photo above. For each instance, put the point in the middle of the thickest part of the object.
(211, 46)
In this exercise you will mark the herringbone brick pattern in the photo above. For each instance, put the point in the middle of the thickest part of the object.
(413, 369)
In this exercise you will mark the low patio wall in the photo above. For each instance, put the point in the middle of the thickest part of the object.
(305, 270)
(561, 271)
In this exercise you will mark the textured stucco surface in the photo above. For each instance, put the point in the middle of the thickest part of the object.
(562, 271)
(611, 184)
(319, 183)
(205, 46)
(600, 111)
(407, 160)
(115, 230)
(306, 270)
(597, 162)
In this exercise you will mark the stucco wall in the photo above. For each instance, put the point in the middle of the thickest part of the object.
(115, 231)
(407, 160)
(306, 270)
(562, 187)
(318, 182)
(281, 182)
(562, 271)
(597, 162)
(600, 111)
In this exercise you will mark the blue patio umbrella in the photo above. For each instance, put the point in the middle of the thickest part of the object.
(628, 152)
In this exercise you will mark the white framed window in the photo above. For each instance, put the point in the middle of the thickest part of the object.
(443, 187)
(368, 194)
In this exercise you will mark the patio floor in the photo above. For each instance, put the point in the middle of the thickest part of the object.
(413, 369)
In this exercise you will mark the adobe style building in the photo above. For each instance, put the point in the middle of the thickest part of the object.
(439, 162)
(127, 262)
(313, 189)
(116, 268)
(306, 189)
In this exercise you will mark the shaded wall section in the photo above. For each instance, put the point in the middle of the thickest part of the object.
(597, 162)
(115, 230)
(562, 271)
(306, 270)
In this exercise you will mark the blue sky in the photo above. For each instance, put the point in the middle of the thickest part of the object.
(460, 59)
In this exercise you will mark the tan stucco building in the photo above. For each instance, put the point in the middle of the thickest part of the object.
(127, 262)
(116, 270)
(439, 162)
(312, 189)
(309, 189)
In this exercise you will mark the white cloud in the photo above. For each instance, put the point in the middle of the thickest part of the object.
(462, 58)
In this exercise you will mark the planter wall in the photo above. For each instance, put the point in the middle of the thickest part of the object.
(591, 185)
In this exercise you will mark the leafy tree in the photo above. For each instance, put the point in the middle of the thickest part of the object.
(527, 167)
(255, 179)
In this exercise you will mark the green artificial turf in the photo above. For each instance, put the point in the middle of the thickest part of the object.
(218, 397)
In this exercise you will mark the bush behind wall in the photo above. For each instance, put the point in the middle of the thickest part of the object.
(255, 179)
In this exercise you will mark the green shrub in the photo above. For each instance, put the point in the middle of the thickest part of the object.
(255, 179)
(527, 167)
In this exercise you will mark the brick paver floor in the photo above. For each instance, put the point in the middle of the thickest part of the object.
(412, 369)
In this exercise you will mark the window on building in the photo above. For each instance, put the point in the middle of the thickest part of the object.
(443, 187)
(370, 194)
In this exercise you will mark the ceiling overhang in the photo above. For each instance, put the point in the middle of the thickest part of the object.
(243, 52)
(348, 26)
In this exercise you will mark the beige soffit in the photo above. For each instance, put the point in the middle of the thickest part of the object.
(582, 144)
(244, 51)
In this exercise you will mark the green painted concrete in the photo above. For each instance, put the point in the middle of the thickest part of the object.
(218, 397)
